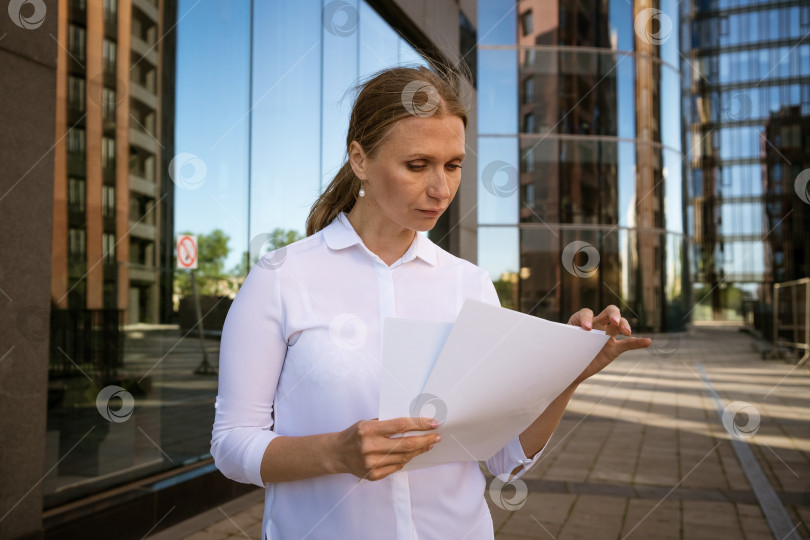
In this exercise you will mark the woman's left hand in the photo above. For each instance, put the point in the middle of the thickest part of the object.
(612, 322)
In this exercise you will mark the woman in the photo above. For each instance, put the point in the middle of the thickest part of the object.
(300, 355)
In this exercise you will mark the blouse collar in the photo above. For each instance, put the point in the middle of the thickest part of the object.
(340, 234)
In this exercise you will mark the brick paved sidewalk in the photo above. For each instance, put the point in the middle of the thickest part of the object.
(641, 452)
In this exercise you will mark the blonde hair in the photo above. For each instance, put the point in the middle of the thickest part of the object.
(385, 98)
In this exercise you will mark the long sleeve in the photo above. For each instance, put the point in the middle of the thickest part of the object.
(252, 354)
(512, 455)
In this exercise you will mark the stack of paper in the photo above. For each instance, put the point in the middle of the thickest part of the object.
(486, 377)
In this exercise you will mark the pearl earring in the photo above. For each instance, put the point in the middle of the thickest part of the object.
(362, 192)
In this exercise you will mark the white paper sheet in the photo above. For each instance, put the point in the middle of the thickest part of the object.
(495, 372)
(410, 349)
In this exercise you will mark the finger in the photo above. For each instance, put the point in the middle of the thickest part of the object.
(409, 444)
(401, 458)
(583, 318)
(610, 316)
(404, 424)
(622, 328)
(628, 344)
(381, 472)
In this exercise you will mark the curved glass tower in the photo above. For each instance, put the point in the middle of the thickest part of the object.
(746, 105)
(580, 199)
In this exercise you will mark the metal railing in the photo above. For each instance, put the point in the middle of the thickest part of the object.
(791, 317)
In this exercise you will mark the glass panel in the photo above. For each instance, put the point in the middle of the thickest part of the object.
(540, 180)
(497, 92)
(124, 325)
(622, 32)
(340, 37)
(498, 180)
(673, 196)
(540, 290)
(498, 254)
(577, 92)
(627, 184)
(667, 32)
(670, 109)
(124, 401)
(379, 43)
(497, 22)
(285, 169)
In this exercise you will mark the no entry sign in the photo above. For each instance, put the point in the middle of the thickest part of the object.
(186, 251)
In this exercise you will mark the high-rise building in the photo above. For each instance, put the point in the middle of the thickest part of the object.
(580, 158)
(746, 107)
(113, 198)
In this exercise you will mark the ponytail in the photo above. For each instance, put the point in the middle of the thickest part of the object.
(338, 197)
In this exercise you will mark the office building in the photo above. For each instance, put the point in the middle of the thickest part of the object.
(580, 159)
(746, 107)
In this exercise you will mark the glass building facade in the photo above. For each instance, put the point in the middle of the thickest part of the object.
(746, 107)
(580, 184)
(221, 119)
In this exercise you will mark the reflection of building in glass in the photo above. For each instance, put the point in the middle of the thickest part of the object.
(746, 105)
(113, 220)
(112, 198)
(594, 145)
(787, 216)
(261, 111)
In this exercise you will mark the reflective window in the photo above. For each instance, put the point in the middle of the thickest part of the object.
(498, 176)
(498, 249)
(583, 175)
(497, 91)
(526, 23)
(497, 22)
(745, 109)
(241, 179)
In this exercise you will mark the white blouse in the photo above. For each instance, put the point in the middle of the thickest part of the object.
(301, 355)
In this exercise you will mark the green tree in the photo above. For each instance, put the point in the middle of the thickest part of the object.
(505, 287)
(212, 250)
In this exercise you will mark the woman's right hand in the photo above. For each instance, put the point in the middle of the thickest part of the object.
(367, 450)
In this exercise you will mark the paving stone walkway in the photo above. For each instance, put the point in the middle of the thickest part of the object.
(642, 452)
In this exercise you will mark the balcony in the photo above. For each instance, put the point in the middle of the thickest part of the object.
(147, 8)
(141, 186)
(142, 230)
(144, 50)
(142, 140)
(142, 273)
(143, 95)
